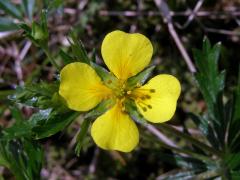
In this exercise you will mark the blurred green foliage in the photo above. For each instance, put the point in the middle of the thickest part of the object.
(55, 28)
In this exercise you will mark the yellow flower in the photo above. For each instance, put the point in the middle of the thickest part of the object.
(125, 55)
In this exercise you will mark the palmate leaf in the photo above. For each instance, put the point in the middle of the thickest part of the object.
(209, 80)
(23, 157)
(211, 84)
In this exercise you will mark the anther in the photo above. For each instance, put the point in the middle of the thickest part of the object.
(142, 98)
(152, 90)
(148, 97)
(144, 109)
(129, 92)
(149, 106)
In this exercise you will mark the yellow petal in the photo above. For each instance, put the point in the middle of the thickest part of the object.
(126, 54)
(157, 99)
(115, 130)
(81, 87)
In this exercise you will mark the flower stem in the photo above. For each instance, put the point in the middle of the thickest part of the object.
(53, 62)
(168, 128)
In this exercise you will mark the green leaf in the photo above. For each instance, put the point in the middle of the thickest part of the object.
(234, 134)
(7, 24)
(211, 84)
(183, 162)
(18, 130)
(78, 49)
(17, 114)
(236, 113)
(23, 157)
(140, 78)
(36, 95)
(29, 8)
(206, 128)
(81, 135)
(100, 109)
(235, 175)
(232, 161)
(209, 80)
(132, 110)
(48, 122)
(9, 8)
(108, 78)
(65, 57)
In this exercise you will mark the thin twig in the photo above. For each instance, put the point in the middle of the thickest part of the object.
(203, 14)
(222, 31)
(192, 15)
(18, 61)
(92, 166)
(160, 135)
(163, 7)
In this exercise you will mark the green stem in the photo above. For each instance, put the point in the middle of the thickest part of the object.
(51, 59)
(167, 128)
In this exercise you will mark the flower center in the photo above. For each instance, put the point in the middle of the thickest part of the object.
(142, 97)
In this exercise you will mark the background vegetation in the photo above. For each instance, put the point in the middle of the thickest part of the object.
(26, 50)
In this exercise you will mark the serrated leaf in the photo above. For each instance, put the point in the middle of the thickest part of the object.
(210, 81)
(211, 84)
(23, 157)
(48, 122)
(35, 95)
(9, 8)
(140, 78)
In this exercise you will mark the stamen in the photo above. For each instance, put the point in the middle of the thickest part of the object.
(148, 97)
(152, 90)
(149, 106)
(144, 109)
(109, 81)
